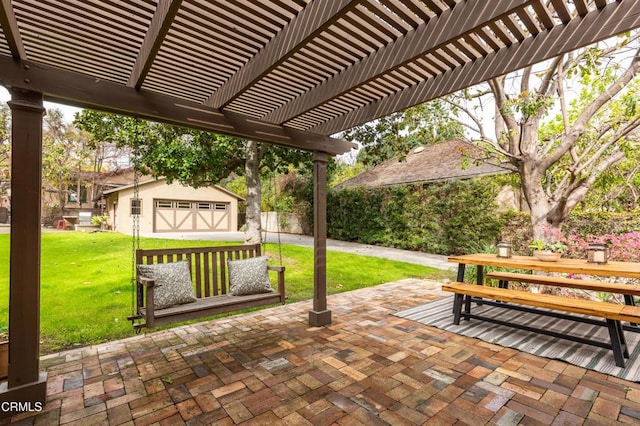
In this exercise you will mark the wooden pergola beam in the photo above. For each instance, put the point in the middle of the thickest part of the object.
(437, 32)
(158, 29)
(88, 92)
(10, 29)
(313, 19)
(595, 26)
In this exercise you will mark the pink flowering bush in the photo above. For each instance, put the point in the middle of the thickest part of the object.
(624, 247)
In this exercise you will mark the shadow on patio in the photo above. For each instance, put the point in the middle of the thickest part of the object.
(369, 367)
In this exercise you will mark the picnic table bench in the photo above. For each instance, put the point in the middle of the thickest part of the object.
(610, 315)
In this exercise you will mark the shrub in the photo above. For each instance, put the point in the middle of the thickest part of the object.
(446, 218)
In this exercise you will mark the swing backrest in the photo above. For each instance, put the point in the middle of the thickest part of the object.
(208, 265)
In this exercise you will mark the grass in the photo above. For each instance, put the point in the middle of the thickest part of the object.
(86, 282)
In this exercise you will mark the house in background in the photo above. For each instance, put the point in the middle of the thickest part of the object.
(453, 159)
(171, 207)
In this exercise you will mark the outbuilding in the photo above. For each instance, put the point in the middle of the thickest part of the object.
(172, 207)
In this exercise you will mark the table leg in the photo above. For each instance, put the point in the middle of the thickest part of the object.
(479, 279)
(457, 308)
(629, 300)
(616, 337)
(461, 269)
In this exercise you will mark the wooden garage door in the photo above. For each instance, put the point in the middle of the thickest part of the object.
(190, 216)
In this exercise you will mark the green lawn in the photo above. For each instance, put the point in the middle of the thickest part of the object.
(86, 282)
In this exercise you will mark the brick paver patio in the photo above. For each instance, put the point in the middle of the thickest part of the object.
(368, 368)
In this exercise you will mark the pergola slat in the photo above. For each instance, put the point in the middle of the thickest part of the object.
(561, 9)
(543, 14)
(11, 32)
(309, 22)
(308, 52)
(581, 31)
(436, 32)
(160, 24)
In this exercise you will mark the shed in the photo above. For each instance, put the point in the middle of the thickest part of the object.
(173, 207)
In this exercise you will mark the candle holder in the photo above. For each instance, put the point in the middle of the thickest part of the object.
(504, 250)
(597, 253)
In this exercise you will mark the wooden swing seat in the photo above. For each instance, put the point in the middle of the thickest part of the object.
(208, 266)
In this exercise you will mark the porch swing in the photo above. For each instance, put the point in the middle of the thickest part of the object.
(179, 284)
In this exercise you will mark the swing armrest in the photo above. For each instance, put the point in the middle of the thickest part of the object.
(280, 271)
(147, 282)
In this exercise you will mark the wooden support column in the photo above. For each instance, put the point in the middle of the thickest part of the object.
(320, 315)
(26, 384)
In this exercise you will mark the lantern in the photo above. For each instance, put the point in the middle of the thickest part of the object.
(504, 249)
(597, 253)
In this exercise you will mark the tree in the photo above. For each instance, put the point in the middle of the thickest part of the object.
(194, 157)
(560, 159)
(395, 135)
(64, 156)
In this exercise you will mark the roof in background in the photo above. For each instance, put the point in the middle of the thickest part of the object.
(429, 164)
(288, 72)
(148, 181)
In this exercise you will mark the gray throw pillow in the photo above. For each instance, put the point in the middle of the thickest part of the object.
(172, 283)
(249, 276)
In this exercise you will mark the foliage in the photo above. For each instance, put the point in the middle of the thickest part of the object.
(580, 229)
(98, 220)
(446, 218)
(396, 134)
(542, 245)
(86, 290)
(65, 154)
(344, 172)
(193, 157)
(562, 146)
(622, 247)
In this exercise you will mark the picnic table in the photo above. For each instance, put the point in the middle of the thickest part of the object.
(611, 315)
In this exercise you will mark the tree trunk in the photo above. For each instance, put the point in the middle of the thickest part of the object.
(545, 220)
(252, 234)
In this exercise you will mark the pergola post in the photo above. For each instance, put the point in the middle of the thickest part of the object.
(26, 384)
(319, 315)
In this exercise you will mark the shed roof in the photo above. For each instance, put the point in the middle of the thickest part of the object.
(454, 159)
(289, 72)
(148, 181)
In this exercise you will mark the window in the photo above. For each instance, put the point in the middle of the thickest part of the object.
(136, 206)
(72, 192)
(220, 207)
(164, 204)
(204, 206)
(183, 205)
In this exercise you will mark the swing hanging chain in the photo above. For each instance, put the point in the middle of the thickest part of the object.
(275, 207)
(135, 220)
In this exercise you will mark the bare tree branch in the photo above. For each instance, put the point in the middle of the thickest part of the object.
(589, 111)
(513, 132)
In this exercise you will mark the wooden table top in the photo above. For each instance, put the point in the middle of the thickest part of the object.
(576, 266)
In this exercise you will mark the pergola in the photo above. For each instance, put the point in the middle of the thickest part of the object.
(287, 72)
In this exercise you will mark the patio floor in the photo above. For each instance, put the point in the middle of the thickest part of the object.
(369, 367)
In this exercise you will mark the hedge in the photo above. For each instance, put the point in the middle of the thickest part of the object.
(446, 218)
(454, 217)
